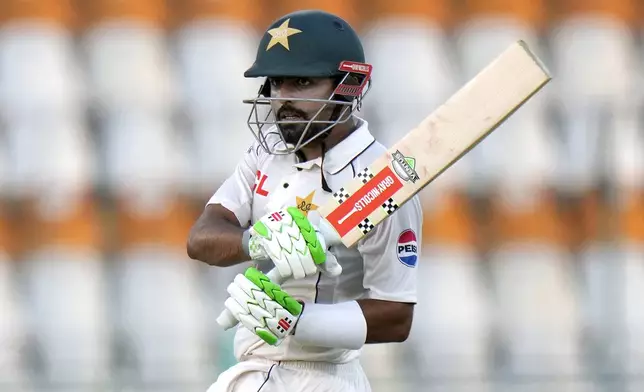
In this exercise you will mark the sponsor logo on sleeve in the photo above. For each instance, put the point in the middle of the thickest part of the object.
(407, 248)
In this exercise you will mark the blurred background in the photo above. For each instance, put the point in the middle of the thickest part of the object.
(119, 119)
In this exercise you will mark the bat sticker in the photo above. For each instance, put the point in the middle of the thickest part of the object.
(374, 194)
(405, 167)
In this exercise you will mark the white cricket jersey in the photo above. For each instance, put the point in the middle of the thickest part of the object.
(381, 266)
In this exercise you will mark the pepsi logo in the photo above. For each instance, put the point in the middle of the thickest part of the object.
(407, 248)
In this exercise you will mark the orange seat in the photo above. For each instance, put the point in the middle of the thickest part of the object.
(7, 243)
(593, 214)
(630, 218)
(625, 10)
(581, 216)
(77, 228)
(532, 12)
(540, 222)
(187, 11)
(168, 227)
(150, 12)
(436, 11)
(449, 221)
(57, 12)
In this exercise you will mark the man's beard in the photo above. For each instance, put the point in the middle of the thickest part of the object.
(292, 133)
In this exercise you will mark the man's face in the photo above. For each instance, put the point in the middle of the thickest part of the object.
(286, 110)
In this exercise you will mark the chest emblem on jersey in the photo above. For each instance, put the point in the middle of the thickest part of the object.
(407, 248)
(306, 204)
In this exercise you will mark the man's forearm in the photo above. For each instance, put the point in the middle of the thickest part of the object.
(219, 245)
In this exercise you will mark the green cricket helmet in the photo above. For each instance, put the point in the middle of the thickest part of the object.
(308, 43)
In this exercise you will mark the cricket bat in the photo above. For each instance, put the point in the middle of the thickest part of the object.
(439, 141)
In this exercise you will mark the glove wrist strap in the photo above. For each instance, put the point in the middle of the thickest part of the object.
(318, 326)
(245, 243)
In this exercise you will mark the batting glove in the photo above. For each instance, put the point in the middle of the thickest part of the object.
(293, 243)
(262, 306)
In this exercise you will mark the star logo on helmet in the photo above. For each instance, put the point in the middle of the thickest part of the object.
(279, 35)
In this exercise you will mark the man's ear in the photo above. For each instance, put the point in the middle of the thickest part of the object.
(265, 89)
(352, 80)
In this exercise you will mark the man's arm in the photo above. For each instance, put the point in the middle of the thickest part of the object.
(387, 321)
(216, 238)
(390, 256)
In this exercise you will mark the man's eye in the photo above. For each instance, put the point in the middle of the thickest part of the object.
(275, 82)
(303, 82)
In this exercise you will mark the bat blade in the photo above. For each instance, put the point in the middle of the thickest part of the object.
(439, 141)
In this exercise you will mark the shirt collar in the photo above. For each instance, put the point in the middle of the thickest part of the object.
(341, 155)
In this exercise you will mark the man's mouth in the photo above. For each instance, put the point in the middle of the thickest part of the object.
(290, 116)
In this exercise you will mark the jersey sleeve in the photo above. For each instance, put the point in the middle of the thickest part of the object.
(236, 193)
(391, 253)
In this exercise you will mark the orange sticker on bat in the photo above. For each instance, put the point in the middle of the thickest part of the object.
(366, 200)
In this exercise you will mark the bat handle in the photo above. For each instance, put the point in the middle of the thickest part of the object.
(275, 277)
(329, 233)
(226, 320)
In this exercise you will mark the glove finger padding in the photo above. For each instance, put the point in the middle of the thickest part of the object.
(325, 261)
(300, 264)
(295, 246)
(242, 314)
(251, 295)
(274, 291)
(262, 306)
(314, 241)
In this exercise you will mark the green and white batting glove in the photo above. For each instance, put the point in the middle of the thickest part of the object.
(262, 306)
(295, 245)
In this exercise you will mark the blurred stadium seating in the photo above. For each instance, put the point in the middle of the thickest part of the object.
(118, 119)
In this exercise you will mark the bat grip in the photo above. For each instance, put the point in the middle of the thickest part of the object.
(226, 319)
(275, 276)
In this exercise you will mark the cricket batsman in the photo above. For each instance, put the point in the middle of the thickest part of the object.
(306, 334)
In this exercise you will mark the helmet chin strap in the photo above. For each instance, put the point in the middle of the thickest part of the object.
(334, 117)
(325, 185)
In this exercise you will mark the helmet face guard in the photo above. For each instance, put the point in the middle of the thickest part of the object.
(347, 99)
